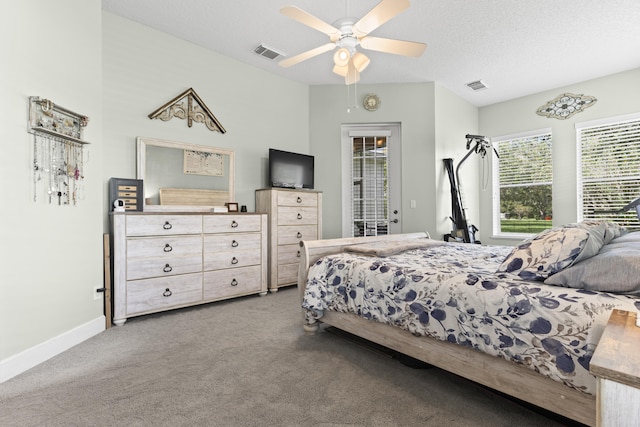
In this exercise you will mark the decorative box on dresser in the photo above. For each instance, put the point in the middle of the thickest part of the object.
(163, 261)
(294, 215)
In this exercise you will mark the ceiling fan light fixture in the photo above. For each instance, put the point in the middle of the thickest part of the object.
(352, 76)
(360, 61)
(348, 33)
(341, 57)
(341, 70)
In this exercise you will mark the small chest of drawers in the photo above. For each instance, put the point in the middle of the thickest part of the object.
(165, 261)
(294, 215)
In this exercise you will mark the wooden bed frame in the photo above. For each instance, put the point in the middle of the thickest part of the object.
(494, 372)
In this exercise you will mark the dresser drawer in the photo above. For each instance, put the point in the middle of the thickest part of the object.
(231, 223)
(297, 198)
(141, 268)
(159, 225)
(232, 242)
(163, 293)
(164, 247)
(290, 234)
(288, 254)
(289, 215)
(236, 281)
(287, 273)
(231, 259)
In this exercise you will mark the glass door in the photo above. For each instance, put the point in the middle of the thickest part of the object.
(370, 208)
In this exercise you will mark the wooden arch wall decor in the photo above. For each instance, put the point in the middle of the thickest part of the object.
(194, 111)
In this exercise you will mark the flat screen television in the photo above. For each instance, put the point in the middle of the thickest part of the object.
(290, 170)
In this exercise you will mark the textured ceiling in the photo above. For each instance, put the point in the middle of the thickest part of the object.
(516, 47)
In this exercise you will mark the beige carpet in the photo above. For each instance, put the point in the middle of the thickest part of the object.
(244, 362)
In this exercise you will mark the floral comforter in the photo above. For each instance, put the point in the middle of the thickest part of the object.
(451, 292)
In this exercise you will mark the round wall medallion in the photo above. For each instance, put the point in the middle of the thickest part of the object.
(371, 102)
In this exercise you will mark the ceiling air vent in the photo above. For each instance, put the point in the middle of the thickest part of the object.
(477, 85)
(267, 52)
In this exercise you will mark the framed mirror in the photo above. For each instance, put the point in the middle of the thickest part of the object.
(179, 176)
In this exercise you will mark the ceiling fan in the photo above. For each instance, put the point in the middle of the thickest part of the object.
(347, 33)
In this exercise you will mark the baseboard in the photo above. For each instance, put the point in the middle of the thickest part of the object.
(21, 362)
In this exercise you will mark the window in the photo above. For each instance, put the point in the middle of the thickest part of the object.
(522, 181)
(608, 168)
(370, 186)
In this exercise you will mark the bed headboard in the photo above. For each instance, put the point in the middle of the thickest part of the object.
(193, 197)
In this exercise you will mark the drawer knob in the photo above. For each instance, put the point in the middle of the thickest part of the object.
(234, 244)
(299, 199)
(298, 255)
(167, 293)
(167, 225)
(299, 235)
(299, 216)
(234, 224)
(167, 268)
(167, 248)
(234, 282)
(234, 260)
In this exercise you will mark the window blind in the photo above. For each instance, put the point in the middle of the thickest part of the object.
(522, 179)
(608, 169)
(525, 161)
(370, 207)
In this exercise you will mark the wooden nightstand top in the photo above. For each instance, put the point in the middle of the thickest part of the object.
(617, 356)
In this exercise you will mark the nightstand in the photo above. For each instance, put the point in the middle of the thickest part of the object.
(616, 365)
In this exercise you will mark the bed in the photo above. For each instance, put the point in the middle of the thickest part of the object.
(522, 320)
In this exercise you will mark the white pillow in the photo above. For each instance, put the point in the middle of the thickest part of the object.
(553, 250)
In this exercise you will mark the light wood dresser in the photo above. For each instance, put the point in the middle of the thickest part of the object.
(163, 261)
(294, 215)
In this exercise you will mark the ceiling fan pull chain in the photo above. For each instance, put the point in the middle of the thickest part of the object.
(348, 99)
(355, 95)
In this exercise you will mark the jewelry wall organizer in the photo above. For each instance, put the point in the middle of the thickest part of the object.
(58, 152)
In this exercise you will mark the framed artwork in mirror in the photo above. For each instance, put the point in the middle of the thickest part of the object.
(185, 177)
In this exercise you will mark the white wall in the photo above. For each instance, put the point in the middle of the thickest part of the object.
(51, 256)
(434, 122)
(455, 118)
(618, 94)
(411, 105)
(145, 68)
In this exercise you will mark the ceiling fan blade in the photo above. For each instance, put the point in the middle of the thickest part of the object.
(377, 16)
(309, 20)
(306, 55)
(398, 47)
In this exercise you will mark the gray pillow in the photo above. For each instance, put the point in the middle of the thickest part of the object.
(616, 268)
(629, 237)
